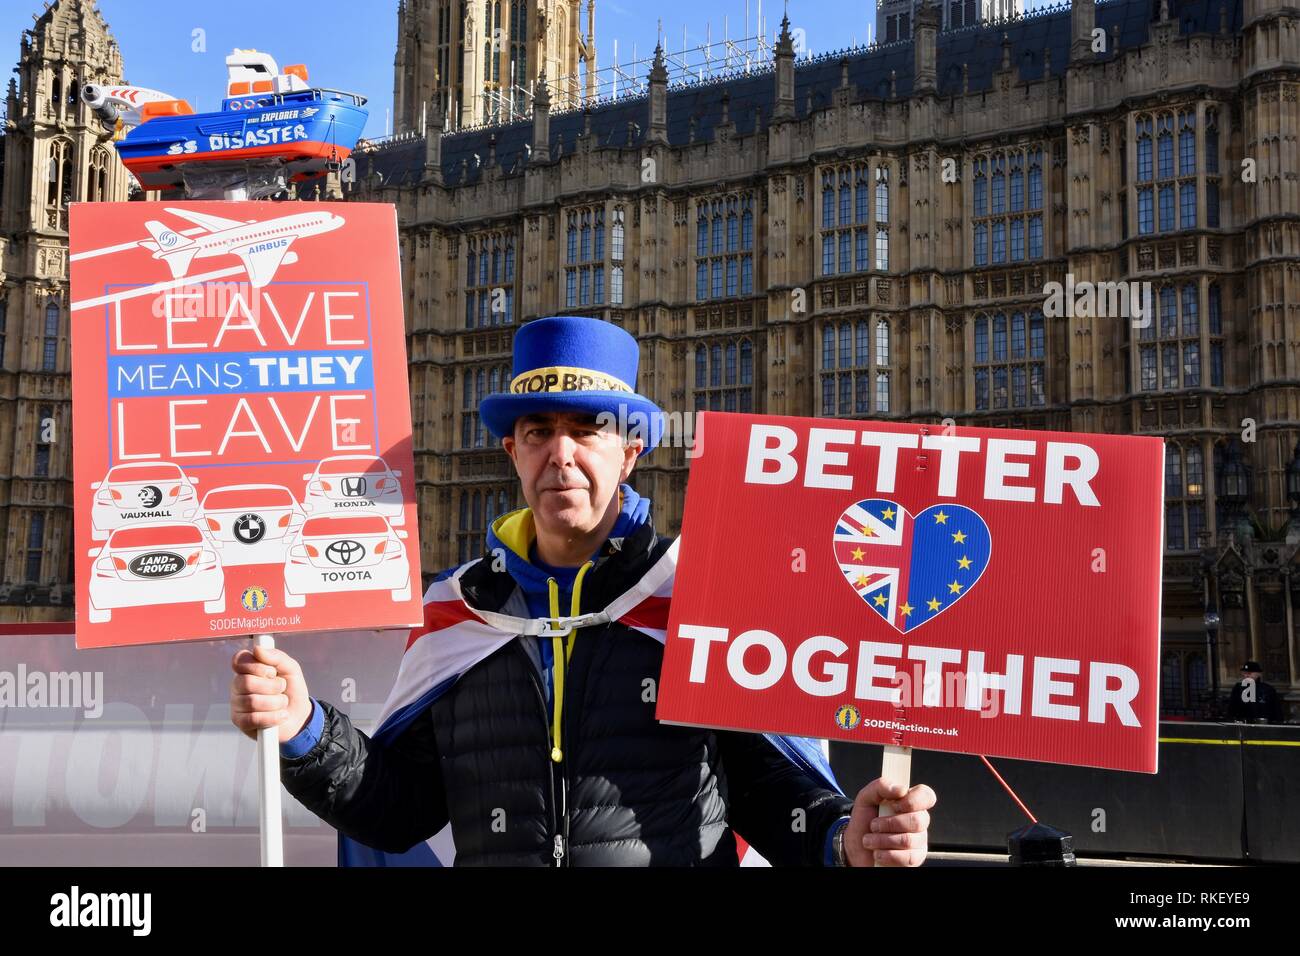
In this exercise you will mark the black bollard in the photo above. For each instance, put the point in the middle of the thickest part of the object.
(1040, 845)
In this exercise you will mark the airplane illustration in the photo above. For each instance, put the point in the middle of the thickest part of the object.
(261, 245)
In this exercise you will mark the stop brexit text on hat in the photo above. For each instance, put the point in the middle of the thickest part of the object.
(974, 590)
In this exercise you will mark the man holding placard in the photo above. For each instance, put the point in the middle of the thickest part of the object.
(529, 737)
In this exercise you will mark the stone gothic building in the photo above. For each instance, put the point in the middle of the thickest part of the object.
(54, 153)
(865, 235)
(479, 60)
(894, 18)
(918, 196)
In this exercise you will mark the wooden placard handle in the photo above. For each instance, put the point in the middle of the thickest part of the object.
(896, 767)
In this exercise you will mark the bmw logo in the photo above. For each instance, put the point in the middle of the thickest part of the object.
(847, 717)
(254, 598)
(345, 552)
(249, 528)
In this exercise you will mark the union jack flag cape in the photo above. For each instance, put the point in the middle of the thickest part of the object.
(455, 637)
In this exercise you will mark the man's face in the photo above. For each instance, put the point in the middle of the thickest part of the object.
(570, 468)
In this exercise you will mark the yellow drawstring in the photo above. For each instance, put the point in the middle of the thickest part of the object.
(561, 653)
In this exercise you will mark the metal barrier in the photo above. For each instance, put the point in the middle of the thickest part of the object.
(1227, 792)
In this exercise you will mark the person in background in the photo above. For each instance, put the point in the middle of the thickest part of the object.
(1252, 700)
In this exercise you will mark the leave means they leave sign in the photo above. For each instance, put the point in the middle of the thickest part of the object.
(241, 428)
(974, 590)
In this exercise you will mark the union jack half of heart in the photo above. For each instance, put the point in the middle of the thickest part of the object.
(909, 568)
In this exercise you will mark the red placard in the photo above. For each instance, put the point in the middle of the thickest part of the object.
(974, 590)
(242, 427)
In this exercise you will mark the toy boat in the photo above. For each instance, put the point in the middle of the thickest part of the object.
(268, 117)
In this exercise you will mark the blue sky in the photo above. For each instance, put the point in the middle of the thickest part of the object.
(349, 44)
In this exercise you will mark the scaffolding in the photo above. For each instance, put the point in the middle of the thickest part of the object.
(712, 59)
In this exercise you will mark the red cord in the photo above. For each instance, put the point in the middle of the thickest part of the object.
(1019, 802)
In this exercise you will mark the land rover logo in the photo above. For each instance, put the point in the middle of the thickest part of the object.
(250, 528)
(345, 552)
(353, 487)
(150, 496)
(156, 564)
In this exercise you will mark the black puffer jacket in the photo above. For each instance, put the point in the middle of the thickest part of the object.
(629, 792)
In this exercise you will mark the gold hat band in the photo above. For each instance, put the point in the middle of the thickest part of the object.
(564, 378)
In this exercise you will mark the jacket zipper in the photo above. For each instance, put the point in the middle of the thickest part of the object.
(557, 850)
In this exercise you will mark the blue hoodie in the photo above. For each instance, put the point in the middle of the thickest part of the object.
(516, 535)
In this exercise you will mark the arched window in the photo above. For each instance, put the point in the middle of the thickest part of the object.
(35, 547)
(1165, 146)
(1187, 143)
(724, 241)
(616, 285)
(519, 51)
(999, 184)
(97, 176)
(861, 195)
(50, 340)
(1175, 362)
(1009, 370)
(981, 187)
(616, 238)
(1184, 496)
(724, 376)
(846, 365)
(828, 199)
(1007, 206)
(1211, 142)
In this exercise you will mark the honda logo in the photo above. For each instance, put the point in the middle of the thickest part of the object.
(353, 487)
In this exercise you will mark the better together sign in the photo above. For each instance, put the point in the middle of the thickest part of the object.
(974, 590)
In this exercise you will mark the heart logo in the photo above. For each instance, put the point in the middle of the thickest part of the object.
(909, 568)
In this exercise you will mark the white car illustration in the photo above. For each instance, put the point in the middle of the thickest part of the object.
(146, 565)
(250, 524)
(351, 483)
(346, 553)
(141, 493)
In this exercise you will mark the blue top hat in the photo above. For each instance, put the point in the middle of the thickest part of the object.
(570, 363)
